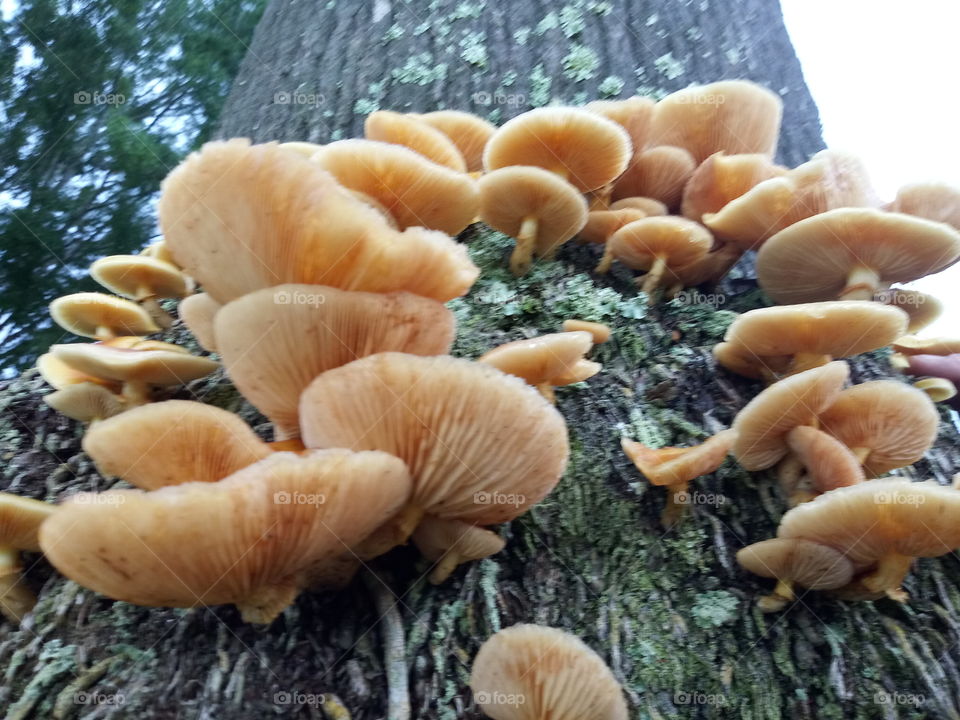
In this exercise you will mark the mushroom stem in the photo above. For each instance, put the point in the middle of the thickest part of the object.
(526, 241)
(394, 647)
(652, 279)
(160, 316)
(862, 284)
(807, 361)
(264, 604)
(546, 389)
(136, 392)
(16, 599)
(677, 502)
(778, 599)
(104, 333)
(861, 453)
(603, 267)
(444, 567)
(394, 532)
(888, 576)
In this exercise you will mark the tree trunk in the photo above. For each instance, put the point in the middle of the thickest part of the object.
(670, 611)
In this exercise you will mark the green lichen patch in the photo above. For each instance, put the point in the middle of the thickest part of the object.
(580, 63)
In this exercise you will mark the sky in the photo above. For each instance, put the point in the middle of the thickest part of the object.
(882, 73)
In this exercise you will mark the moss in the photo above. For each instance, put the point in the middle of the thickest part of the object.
(550, 21)
(540, 84)
(420, 69)
(715, 608)
(580, 63)
(668, 66)
(571, 20)
(611, 86)
(473, 49)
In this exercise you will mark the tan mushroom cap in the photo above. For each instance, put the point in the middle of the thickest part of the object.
(922, 308)
(808, 564)
(198, 312)
(267, 531)
(59, 375)
(307, 149)
(733, 116)
(154, 367)
(850, 253)
(913, 345)
(173, 442)
(580, 146)
(275, 341)
(722, 178)
(548, 672)
(935, 201)
(601, 224)
(764, 422)
(633, 114)
(20, 520)
(139, 277)
(659, 172)
(86, 402)
(676, 466)
(545, 359)
(159, 251)
(412, 190)
(467, 131)
(416, 134)
(449, 543)
(648, 205)
(97, 315)
(599, 332)
(280, 218)
(829, 463)
(638, 244)
(739, 360)
(482, 446)
(937, 389)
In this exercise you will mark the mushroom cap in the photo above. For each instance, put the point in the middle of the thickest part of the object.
(275, 341)
(173, 442)
(511, 194)
(412, 190)
(678, 240)
(435, 537)
(598, 331)
(898, 423)
(601, 224)
(280, 218)
(938, 389)
(764, 422)
(935, 201)
(808, 564)
(738, 359)
(307, 149)
(678, 465)
(139, 277)
(837, 328)
(542, 359)
(197, 312)
(159, 251)
(633, 114)
(82, 313)
(811, 259)
(829, 462)
(734, 116)
(265, 530)
(86, 402)
(923, 309)
(722, 178)
(550, 674)
(20, 520)
(59, 375)
(583, 147)
(880, 517)
(482, 446)
(660, 173)
(913, 345)
(416, 134)
(155, 367)
(648, 205)
(467, 131)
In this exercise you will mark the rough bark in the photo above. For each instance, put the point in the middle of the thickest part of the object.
(670, 612)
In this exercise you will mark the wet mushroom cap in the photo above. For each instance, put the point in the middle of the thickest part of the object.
(679, 240)
(552, 673)
(542, 359)
(139, 277)
(935, 201)
(808, 564)
(85, 313)
(598, 331)
(580, 146)
(155, 367)
(467, 131)
(660, 173)
(678, 465)
(421, 137)
(198, 312)
(722, 178)
(20, 520)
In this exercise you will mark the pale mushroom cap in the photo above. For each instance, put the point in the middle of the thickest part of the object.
(838, 328)
(598, 331)
(541, 359)
(738, 359)
(467, 131)
(155, 367)
(913, 345)
(648, 205)
(633, 114)
(586, 149)
(678, 240)
(410, 188)
(808, 564)
(159, 251)
(307, 149)
(83, 313)
(660, 173)
(677, 465)
(880, 517)
(20, 520)
(734, 116)
(434, 537)
(829, 462)
(399, 129)
(551, 674)
(139, 277)
(86, 402)
(922, 308)
(482, 446)
(511, 194)
(198, 312)
(173, 442)
(722, 178)
(278, 217)
(269, 525)
(938, 389)
(59, 375)
(896, 422)
(275, 341)
(601, 224)
(797, 400)
(811, 259)
(935, 201)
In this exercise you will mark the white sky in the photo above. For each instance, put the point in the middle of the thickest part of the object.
(883, 73)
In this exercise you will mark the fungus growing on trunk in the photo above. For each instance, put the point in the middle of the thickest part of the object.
(20, 520)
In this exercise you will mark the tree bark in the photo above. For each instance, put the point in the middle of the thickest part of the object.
(670, 612)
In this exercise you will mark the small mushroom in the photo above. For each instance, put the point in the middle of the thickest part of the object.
(827, 462)
(633, 114)
(160, 251)
(598, 331)
(601, 225)
(722, 178)
(20, 519)
(532, 672)
(648, 205)
(935, 201)
(913, 345)
(100, 316)
(144, 279)
(467, 131)
(659, 173)
(86, 402)
(923, 309)
(937, 389)
(198, 312)
(59, 375)
(412, 132)
(449, 543)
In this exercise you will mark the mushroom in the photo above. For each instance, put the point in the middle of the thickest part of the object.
(173, 442)
(307, 149)
(482, 446)
(722, 178)
(827, 462)
(886, 424)
(467, 131)
(851, 254)
(160, 251)
(449, 543)
(599, 332)
(59, 375)
(534, 206)
(268, 530)
(937, 389)
(412, 190)
(532, 672)
(648, 205)
(281, 218)
(880, 526)
(579, 146)
(659, 173)
(794, 562)
(922, 308)
(932, 200)
(275, 341)
(20, 518)
(546, 361)
(762, 425)
(87, 402)
(633, 114)
(198, 312)
(806, 336)
(416, 134)
(144, 279)
(675, 467)
(913, 345)
(100, 316)
(601, 225)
